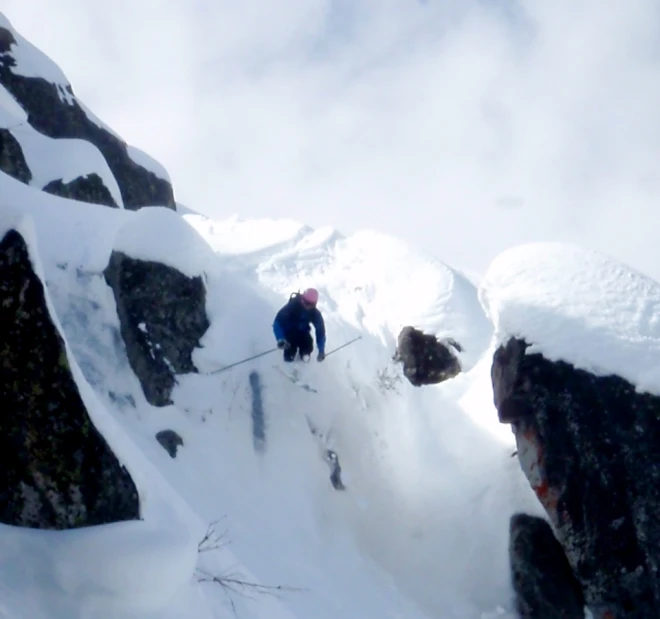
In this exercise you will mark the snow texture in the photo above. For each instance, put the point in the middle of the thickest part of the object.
(578, 306)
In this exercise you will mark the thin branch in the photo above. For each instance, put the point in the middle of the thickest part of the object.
(233, 582)
(213, 540)
(239, 585)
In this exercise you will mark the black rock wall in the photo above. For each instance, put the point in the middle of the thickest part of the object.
(162, 315)
(590, 448)
(56, 470)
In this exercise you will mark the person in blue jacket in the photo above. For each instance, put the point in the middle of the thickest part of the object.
(292, 326)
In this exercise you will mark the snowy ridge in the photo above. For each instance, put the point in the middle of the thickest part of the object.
(251, 239)
(47, 162)
(32, 62)
(578, 306)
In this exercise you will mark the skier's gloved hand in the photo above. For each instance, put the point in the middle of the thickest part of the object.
(321, 356)
(283, 344)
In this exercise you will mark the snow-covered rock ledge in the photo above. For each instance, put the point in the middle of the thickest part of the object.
(160, 293)
(576, 373)
(39, 112)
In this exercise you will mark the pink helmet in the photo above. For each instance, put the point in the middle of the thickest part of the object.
(311, 295)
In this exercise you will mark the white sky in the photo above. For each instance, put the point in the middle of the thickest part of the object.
(449, 123)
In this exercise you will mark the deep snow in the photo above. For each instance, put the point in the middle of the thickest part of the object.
(580, 306)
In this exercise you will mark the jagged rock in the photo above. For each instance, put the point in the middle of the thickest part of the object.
(162, 316)
(56, 470)
(542, 578)
(12, 159)
(89, 188)
(170, 441)
(53, 110)
(426, 361)
(590, 448)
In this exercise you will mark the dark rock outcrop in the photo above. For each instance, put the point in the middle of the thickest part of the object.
(426, 361)
(53, 110)
(170, 441)
(162, 315)
(89, 188)
(12, 159)
(590, 448)
(542, 578)
(56, 469)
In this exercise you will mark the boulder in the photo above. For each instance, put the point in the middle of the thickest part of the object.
(162, 316)
(425, 359)
(56, 469)
(170, 441)
(590, 448)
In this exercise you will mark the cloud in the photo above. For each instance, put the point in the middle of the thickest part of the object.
(460, 125)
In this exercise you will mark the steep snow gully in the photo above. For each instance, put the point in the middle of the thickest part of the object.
(423, 477)
(421, 529)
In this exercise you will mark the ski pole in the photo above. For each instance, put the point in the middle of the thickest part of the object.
(261, 354)
(355, 339)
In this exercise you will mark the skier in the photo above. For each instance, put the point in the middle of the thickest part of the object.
(292, 326)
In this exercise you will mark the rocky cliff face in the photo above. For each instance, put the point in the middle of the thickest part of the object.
(53, 110)
(542, 579)
(12, 160)
(590, 448)
(162, 314)
(56, 471)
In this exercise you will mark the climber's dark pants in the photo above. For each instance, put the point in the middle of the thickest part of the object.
(299, 341)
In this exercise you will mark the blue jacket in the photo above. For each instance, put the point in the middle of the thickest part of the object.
(293, 317)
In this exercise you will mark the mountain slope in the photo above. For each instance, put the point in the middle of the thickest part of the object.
(164, 321)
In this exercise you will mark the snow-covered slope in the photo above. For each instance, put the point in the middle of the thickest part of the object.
(244, 519)
(424, 481)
